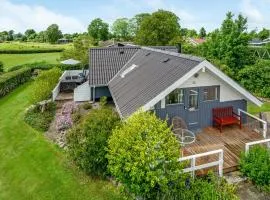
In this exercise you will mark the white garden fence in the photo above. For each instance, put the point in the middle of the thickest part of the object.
(248, 145)
(193, 167)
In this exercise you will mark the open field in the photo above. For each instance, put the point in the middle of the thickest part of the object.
(33, 168)
(11, 60)
(31, 45)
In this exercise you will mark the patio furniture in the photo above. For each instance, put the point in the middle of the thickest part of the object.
(225, 116)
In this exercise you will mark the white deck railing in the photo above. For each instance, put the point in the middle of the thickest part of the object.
(193, 158)
(264, 123)
(56, 90)
(249, 144)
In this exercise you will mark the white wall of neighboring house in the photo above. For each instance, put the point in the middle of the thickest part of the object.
(227, 93)
(82, 92)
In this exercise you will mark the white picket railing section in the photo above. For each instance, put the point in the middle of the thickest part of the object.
(193, 158)
(264, 123)
(249, 144)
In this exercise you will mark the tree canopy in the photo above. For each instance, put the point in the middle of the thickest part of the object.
(120, 29)
(202, 33)
(158, 29)
(53, 33)
(98, 29)
(264, 34)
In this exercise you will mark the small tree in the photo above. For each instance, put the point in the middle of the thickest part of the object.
(53, 33)
(98, 29)
(87, 142)
(143, 154)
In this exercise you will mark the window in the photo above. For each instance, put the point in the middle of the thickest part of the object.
(210, 93)
(177, 96)
(193, 99)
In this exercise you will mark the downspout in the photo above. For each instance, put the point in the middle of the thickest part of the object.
(94, 94)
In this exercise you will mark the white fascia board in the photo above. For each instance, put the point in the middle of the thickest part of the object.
(233, 84)
(196, 69)
(172, 87)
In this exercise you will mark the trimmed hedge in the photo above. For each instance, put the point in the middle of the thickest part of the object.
(11, 80)
(29, 51)
(46, 66)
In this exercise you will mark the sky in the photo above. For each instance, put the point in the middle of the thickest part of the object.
(75, 15)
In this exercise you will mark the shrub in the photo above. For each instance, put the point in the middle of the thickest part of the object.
(143, 155)
(256, 78)
(76, 116)
(29, 51)
(103, 101)
(87, 106)
(87, 142)
(40, 120)
(209, 187)
(9, 81)
(256, 165)
(46, 66)
(44, 84)
(1, 67)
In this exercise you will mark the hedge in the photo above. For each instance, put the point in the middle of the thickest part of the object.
(29, 51)
(46, 66)
(11, 80)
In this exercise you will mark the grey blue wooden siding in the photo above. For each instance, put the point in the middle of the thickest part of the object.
(203, 115)
(100, 92)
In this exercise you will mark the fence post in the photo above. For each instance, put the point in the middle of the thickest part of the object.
(246, 149)
(264, 129)
(220, 166)
(193, 162)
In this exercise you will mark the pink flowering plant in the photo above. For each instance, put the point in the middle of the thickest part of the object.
(64, 120)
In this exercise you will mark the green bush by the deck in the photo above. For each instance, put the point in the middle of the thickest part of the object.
(87, 142)
(44, 84)
(256, 165)
(40, 120)
(11, 80)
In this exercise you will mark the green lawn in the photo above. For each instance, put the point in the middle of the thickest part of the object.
(11, 60)
(32, 45)
(33, 168)
(253, 109)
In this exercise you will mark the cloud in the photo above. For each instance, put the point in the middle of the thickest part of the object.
(19, 17)
(252, 12)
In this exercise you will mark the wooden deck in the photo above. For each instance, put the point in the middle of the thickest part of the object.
(232, 140)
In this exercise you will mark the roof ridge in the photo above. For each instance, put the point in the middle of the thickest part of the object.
(180, 55)
(108, 48)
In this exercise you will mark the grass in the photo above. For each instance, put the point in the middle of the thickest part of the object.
(11, 60)
(33, 168)
(253, 109)
(31, 45)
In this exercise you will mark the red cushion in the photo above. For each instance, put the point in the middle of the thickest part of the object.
(229, 120)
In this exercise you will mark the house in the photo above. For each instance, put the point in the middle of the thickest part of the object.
(259, 42)
(196, 41)
(163, 81)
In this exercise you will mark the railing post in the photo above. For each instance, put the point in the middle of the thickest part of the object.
(264, 129)
(220, 166)
(193, 162)
(246, 149)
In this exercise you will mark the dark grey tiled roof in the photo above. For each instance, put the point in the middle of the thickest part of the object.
(151, 76)
(106, 62)
(166, 48)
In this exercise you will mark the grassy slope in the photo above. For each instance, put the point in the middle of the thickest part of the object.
(10, 60)
(31, 45)
(33, 168)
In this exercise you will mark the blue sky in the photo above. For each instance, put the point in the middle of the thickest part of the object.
(75, 15)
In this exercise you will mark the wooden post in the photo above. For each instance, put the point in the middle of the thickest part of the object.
(220, 166)
(193, 162)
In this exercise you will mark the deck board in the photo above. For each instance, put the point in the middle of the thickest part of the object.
(232, 140)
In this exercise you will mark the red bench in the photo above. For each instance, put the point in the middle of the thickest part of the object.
(225, 116)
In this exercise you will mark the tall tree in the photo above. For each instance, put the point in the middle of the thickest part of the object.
(120, 29)
(264, 34)
(29, 32)
(229, 43)
(53, 33)
(135, 23)
(158, 29)
(202, 33)
(10, 35)
(98, 29)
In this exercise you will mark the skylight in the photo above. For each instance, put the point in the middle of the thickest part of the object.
(128, 70)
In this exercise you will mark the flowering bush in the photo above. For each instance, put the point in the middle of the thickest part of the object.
(64, 120)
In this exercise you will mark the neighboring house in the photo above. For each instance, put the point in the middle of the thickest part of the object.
(196, 41)
(259, 42)
(168, 83)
